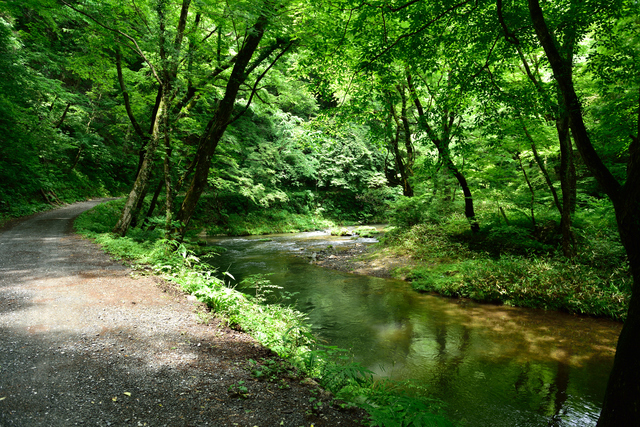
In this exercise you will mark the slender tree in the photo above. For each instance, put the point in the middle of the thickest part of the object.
(557, 112)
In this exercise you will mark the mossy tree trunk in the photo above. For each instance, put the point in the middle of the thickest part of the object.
(169, 57)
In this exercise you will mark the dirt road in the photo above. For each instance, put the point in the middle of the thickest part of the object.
(82, 342)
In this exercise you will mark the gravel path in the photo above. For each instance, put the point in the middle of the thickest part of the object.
(84, 342)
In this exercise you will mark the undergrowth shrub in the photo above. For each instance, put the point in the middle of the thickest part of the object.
(303, 210)
(595, 282)
(389, 403)
(100, 219)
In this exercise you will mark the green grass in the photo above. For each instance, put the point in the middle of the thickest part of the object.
(457, 264)
(267, 221)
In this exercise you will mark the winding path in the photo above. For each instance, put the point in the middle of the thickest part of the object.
(84, 342)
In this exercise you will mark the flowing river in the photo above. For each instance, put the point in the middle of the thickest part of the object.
(492, 365)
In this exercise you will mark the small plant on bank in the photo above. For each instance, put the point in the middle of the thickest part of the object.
(315, 406)
(274, 371)
(366, 231)
(238, 390)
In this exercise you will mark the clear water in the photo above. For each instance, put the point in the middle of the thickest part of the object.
(492, 365)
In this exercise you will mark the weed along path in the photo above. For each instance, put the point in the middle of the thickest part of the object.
(84, 342)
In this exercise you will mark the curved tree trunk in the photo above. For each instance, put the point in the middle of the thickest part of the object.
(442, 144)
(218, 124)
(469, 212)
(531, 190)
(140, 186)
(621, 405)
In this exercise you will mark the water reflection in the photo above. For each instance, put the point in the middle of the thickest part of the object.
(493, 365)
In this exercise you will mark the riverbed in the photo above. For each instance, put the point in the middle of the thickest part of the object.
(492, 365)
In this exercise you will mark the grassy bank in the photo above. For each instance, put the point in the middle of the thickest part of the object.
(307, 210)
(278, 327)
(507, 266)
(269, 221)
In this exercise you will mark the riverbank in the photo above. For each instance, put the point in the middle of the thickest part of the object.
(475, 357)
(347, 389)
(459, 266)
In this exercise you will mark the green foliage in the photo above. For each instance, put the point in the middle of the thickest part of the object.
(264, 291)
(272, 370)
(266, 222)
(100, 219)
(359, 208)
(407, 211)
(51, 152)
(341, 232)
(366, 231)
(392, 410)
(459, 266)
(233, 214)
(389, 403)
(239, 390)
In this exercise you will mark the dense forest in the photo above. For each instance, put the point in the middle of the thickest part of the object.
(507, 131)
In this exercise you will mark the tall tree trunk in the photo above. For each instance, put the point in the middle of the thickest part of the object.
(408, 145)
(218, 124)
(622, 398)
(567, 169)
(402, 128)
(567, 183)
(407, 189)
(531, 190)
(543, 169)
(154, 201)
(168, 184)
(139, 190)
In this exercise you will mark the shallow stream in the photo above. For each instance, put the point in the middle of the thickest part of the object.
(492, 365)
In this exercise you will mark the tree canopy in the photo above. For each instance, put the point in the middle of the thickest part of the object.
(522, 112)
